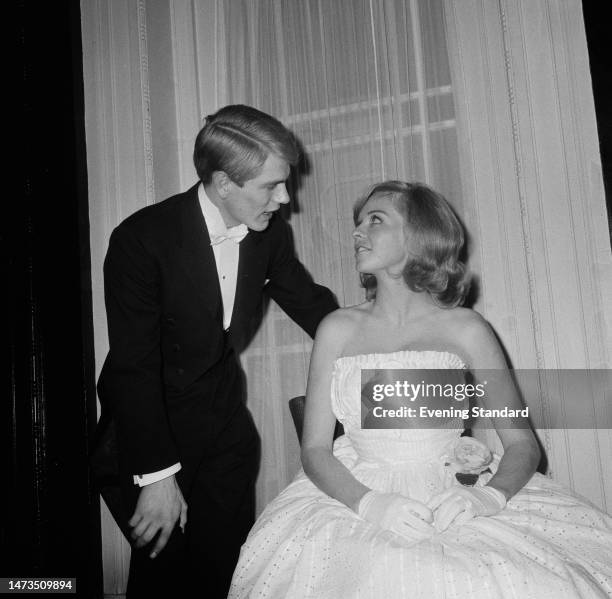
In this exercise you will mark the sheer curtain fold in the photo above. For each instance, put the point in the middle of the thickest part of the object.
(534, 201)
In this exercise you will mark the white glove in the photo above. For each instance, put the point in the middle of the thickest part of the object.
(405, 517)
(460, 504)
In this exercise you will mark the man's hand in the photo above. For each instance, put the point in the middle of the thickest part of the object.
(159, 506)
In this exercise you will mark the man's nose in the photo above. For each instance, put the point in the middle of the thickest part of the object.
(280, 195)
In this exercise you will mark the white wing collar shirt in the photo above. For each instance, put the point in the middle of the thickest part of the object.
(226, 249)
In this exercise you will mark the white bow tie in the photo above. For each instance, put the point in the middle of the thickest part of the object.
(236, 234)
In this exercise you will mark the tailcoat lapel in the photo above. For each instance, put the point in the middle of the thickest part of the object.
(251, 269)
(252, 264)
(196, 254)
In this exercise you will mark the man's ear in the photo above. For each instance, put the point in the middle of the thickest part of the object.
(222, 183)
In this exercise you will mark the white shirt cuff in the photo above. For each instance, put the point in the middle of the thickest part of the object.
(146, 479)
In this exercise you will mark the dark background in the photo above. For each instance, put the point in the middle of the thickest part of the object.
(596, 21)
(50, 526)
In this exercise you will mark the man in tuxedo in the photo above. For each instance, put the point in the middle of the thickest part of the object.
(183, 281)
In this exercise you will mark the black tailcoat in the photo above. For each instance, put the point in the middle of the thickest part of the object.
(171, 382)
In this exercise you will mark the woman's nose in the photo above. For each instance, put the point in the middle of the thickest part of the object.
(357, 233)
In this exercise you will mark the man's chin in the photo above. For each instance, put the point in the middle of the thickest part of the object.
(259, 225)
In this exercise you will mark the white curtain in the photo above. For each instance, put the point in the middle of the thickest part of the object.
(488, 101)
(535, 205)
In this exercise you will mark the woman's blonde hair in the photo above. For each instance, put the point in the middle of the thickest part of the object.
(437, 237)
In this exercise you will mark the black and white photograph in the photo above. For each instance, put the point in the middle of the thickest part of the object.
(311, 299)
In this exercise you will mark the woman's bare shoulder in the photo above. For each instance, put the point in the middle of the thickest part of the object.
(464, 318)
(475, 336)
(344, 321)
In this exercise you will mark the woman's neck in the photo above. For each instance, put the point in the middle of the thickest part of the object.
(397, 303)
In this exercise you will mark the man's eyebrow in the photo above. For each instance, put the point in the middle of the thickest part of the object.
(275, 182)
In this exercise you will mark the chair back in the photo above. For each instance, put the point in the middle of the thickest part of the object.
(296, 407)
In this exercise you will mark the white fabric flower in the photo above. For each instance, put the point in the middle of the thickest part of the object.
(466, 455)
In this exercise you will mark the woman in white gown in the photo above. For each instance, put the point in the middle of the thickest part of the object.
(381, 515)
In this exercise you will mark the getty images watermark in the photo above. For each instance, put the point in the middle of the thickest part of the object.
(402, 398)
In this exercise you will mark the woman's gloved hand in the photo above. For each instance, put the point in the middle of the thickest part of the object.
(459, 504)
(401, 515)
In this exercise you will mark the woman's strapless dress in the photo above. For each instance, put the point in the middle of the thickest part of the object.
(547, 542)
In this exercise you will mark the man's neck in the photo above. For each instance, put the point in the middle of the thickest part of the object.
(215, 198)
